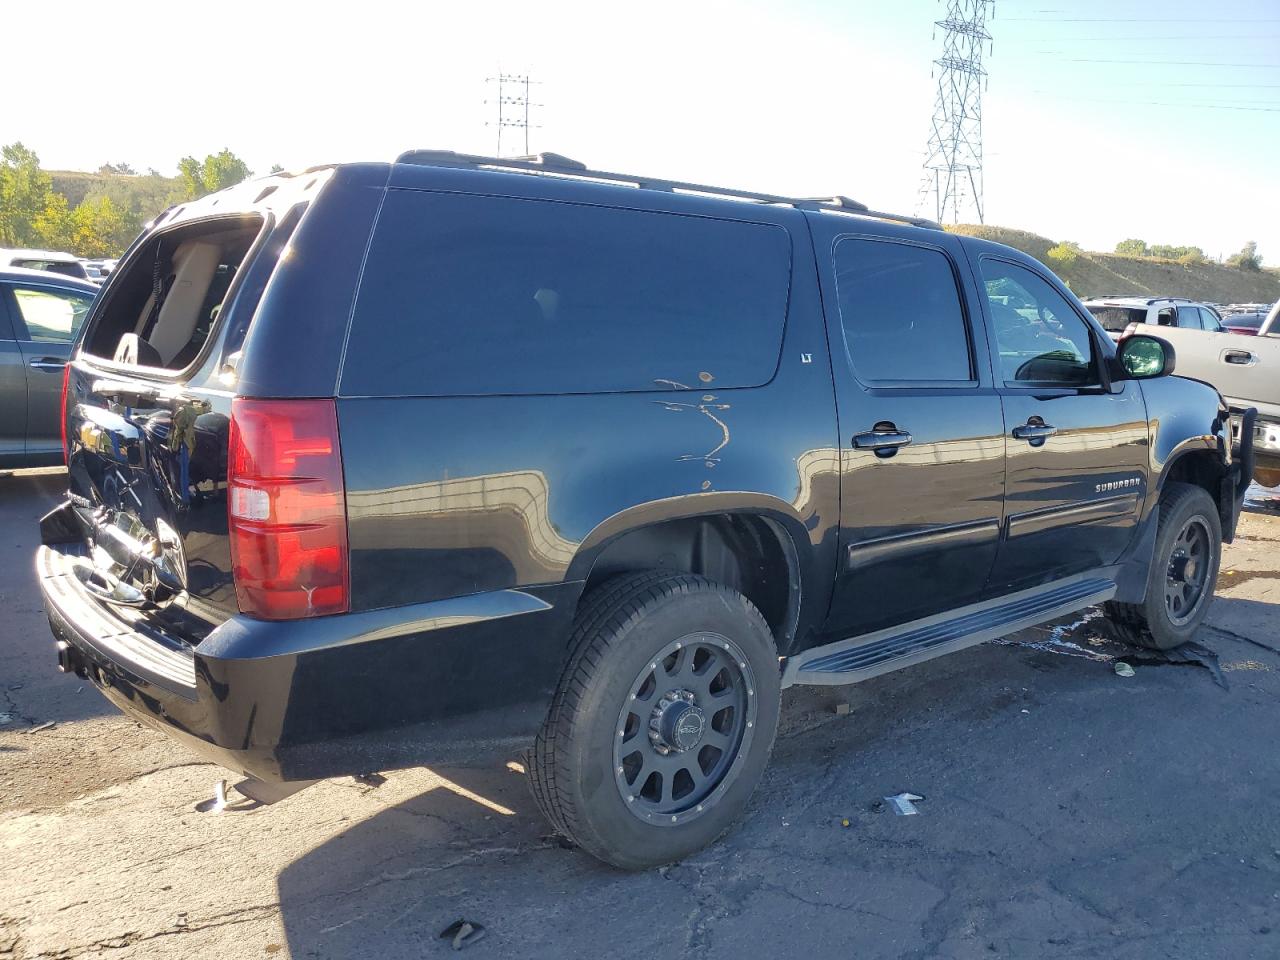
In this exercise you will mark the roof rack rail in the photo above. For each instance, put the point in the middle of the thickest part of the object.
(554, 164)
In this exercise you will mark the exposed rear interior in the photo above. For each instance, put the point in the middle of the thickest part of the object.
(162, 309)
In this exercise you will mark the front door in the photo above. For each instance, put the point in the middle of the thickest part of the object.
(1077, 446)
(922, 451)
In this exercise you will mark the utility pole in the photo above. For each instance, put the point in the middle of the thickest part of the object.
(953, 167)
(513, 105)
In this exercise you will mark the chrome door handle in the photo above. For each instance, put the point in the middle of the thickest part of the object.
(881, 440)
(47, 364)
(1035, 432)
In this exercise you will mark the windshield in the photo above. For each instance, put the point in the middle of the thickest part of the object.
(68, 268)
(1117, 319)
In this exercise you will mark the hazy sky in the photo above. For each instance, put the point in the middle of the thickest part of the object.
(1104, 119)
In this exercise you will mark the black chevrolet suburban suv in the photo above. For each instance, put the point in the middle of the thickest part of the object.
(382, 464)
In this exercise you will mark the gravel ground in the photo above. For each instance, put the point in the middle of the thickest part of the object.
(1068, 812)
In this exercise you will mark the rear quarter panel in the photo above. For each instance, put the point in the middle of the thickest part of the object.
(448, 496)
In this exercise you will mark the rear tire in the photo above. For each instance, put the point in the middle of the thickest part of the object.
(663, 721)
(1183, 573)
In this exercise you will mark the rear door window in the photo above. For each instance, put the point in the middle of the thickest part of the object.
(901, 312)
(474, 295)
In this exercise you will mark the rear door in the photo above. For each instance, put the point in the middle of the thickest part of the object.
(48, 318)
(922, 454)
(13, 387)
(1076, 447)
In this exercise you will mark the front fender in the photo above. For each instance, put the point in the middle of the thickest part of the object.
(1184, 417)
(1189, 418)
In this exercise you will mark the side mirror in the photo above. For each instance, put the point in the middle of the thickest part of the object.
(1144, 357)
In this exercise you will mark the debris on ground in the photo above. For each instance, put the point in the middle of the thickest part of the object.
(5, 718)
(842, 709)
(1189, 654)
(844, 821)
(374, 780)
(904, 804)
(1123, 669)
(47, 725)
(218, 802)
(462, 933)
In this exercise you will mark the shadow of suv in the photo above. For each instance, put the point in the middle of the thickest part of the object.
(385, 464)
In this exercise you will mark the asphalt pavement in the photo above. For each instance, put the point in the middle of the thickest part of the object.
(1067, 811)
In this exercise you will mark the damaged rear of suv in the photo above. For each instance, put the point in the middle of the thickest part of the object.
(383, 465)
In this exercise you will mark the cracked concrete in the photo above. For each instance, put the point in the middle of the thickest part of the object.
(1069, 813)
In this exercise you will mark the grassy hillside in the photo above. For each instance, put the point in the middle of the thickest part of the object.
(1095, 274)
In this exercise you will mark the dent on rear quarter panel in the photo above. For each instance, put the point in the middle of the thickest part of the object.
(294, 348)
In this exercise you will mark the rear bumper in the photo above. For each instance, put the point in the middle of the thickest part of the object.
(454, 681)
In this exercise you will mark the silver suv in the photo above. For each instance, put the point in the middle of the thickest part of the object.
(1121, 315)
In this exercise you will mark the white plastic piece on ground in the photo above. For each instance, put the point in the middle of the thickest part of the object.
(1123, 669)
(903, 804)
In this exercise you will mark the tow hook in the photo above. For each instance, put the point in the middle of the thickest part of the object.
(69, 659)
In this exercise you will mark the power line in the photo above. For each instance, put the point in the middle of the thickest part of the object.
(1131, 39)
(953, 167)
(1159, 103)
(1183, 63)
(1232, 20)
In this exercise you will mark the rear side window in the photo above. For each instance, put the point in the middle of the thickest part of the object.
(471, 295)
(900, 308)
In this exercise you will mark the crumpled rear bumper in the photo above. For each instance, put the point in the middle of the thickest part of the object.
(456, 681)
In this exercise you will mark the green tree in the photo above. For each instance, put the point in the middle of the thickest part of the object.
(25, 190)
(52, 226)
(276, 168)
(1247, 258)
(216, 171)
(96, 227)
(1132, 248)
(1065, 253)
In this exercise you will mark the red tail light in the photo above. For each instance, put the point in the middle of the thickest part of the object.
(287, 509)
(66, 382)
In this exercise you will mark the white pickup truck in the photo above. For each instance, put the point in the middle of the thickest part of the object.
(1245, 369)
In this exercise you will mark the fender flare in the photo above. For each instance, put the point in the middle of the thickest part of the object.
(780, 516)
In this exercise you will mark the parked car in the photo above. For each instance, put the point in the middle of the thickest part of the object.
(1246, 324)
(395, 464)
(94, 271)
(1122, 315)
(1263, 372)
(66, 264)
(40, 315)
(1245, 371)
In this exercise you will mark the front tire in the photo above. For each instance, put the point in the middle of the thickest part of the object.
(1184, 571)
(663, 721)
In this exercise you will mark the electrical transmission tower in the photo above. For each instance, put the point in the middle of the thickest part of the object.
(513, 107)
(953, 168)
